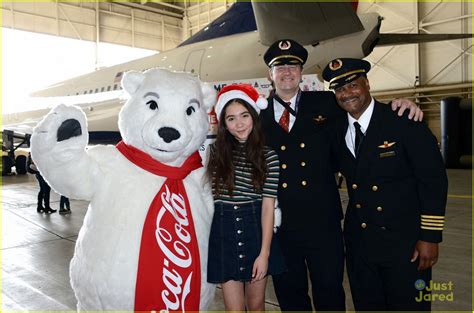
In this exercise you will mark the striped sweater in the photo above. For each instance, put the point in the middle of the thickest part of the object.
(244, 191)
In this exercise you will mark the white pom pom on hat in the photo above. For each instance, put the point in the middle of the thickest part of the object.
(240, 91)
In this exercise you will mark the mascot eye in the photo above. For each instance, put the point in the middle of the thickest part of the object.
(152, 104)
(190, 110)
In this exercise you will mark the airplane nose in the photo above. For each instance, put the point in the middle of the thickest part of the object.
(168, 134)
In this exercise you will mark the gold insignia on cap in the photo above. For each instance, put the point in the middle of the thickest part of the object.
(284, 45)
(387, 144)
(335, 64)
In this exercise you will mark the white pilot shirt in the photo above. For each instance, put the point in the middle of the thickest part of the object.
(363, 120)
(278, 109)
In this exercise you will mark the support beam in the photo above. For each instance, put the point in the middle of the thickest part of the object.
(165, 4)
(447, 20)
(58, 32)
(418, 79)
(464, 43)
(163, 44)
(149, 9)
(432, 11)
(377, 64)
(448, 65)
(97, 35)
(69, 22)
(132, 14)
(448, 42)
(422, 89)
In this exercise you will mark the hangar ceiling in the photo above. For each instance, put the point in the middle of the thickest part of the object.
(408, 70)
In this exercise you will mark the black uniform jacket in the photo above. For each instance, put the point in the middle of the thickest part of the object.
(307, 192)
(397, 187)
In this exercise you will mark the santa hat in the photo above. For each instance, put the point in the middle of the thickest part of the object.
(240, 91)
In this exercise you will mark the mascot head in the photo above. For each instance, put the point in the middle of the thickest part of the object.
(166, 114)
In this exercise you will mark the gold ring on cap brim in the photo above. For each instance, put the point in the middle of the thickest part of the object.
(286, 56)
(345, 74)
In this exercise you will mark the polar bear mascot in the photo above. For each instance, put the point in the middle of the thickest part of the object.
(143, 245)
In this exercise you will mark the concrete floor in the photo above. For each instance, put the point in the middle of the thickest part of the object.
(36, 250)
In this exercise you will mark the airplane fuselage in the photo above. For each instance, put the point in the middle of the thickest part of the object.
(233, 58)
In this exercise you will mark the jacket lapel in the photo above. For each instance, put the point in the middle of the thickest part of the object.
(347, 158)
(299, 121)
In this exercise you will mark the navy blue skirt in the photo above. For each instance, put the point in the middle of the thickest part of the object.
(235, 243)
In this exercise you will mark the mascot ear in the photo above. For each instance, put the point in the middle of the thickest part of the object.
(132, 80)
(208, 96)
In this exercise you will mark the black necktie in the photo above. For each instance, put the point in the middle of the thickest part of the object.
(359, 136)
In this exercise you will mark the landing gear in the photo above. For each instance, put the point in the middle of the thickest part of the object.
(7, 164)
(20, 164)
(11, 141)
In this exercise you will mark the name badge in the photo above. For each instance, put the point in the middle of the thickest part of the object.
(387, 154)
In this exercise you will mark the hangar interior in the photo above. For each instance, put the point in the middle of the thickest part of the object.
(425, 73)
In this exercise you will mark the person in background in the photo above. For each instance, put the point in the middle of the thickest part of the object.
(298, 126)
(45, 190)
(64, 205)
(244, 175)
(397, 188)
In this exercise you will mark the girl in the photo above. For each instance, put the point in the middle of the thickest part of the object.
(244, 175)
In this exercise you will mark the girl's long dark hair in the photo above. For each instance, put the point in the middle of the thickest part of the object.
(220, 169)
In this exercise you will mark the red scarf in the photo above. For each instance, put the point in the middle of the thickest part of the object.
(169, 273)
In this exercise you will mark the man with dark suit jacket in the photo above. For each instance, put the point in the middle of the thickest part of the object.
(397, 189)
(297, 125)
(310, 234)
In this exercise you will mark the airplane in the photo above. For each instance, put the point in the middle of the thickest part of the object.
(229, 50)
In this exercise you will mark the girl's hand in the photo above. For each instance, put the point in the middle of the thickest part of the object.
(260, 267)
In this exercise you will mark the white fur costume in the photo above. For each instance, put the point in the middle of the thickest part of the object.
(104, 267)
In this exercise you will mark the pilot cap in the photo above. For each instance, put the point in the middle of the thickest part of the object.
(342, 71)
(285, 51)
(240, 91)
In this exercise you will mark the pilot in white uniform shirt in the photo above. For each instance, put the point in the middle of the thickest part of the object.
(279, 109)
(364, 121)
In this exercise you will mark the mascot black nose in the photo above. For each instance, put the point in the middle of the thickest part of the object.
(168, 134)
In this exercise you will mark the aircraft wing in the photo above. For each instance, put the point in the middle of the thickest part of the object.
(305, 22)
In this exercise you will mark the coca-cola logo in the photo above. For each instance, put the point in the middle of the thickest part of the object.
(175, 243)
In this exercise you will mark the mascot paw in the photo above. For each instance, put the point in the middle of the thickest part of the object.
(63, 131)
